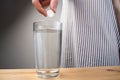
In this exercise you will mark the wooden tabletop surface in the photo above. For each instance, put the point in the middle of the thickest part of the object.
(91, 73)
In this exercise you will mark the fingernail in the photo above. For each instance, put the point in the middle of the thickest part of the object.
(54, 7)
(54, 10)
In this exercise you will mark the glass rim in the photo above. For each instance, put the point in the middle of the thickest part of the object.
(47, 22)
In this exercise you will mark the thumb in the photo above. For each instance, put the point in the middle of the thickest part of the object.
(53, 5)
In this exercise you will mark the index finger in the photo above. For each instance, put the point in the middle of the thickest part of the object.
(39, 7)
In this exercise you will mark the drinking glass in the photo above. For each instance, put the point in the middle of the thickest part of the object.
(47, 45)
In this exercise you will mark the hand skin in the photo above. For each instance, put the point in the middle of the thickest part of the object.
(41, 5)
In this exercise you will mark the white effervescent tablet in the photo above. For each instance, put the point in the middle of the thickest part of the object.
(50, 13)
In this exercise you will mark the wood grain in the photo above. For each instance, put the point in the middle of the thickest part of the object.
(92, 73)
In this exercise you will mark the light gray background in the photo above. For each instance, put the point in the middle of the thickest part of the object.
(16, 32)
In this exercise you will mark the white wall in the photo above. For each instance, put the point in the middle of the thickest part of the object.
(16, 42)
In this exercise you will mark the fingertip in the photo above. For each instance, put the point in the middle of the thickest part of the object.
(39, 7)
(54, 10)
(43, 12)
(53, 5)
(44, 15)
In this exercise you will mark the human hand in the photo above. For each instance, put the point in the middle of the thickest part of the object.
(41, 5)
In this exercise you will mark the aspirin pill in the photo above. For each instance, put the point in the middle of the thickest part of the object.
(50, 13)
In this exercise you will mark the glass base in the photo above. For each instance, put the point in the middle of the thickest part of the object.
(48, 73)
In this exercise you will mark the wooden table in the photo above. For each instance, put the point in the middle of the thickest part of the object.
(93, 73)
